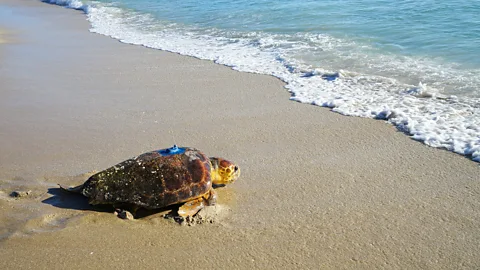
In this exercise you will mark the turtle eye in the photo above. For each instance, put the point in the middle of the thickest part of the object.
(236, 168)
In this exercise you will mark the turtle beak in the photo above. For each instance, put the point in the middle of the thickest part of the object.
(235, 174)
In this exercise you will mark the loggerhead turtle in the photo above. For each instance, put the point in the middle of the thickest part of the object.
(161, 178)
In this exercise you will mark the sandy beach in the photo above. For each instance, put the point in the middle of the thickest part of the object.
(2, 36)
(318, 190)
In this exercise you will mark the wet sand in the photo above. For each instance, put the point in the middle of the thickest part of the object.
(2, 36)
(318, 190)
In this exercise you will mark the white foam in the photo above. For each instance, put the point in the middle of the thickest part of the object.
(75, 4)
(419, 103)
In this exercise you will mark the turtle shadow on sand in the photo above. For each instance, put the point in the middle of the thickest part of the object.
(67, 200)
(62, 199)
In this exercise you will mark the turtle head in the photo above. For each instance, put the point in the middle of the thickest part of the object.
(223, 171)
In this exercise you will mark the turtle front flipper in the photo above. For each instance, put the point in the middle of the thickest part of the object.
(192, 207)
(211, 197)
(77, 189)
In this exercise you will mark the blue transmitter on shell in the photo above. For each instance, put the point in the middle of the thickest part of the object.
(171, 151)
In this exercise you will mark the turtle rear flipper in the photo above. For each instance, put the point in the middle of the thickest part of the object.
(77, 189)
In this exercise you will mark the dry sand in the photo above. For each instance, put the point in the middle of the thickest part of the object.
(318, 190)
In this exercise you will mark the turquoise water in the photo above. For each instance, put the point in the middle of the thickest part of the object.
(364, 33)
(412, 63)
(447, 29)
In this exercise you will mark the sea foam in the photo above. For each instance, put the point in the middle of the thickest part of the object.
(421, 110)
(75, 4)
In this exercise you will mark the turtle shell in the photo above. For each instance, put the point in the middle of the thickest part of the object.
(152, 180)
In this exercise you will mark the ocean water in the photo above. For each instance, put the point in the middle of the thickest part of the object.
(414, 64)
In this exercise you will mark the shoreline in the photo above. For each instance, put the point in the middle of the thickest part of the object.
(414, 108)
(318, 189)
